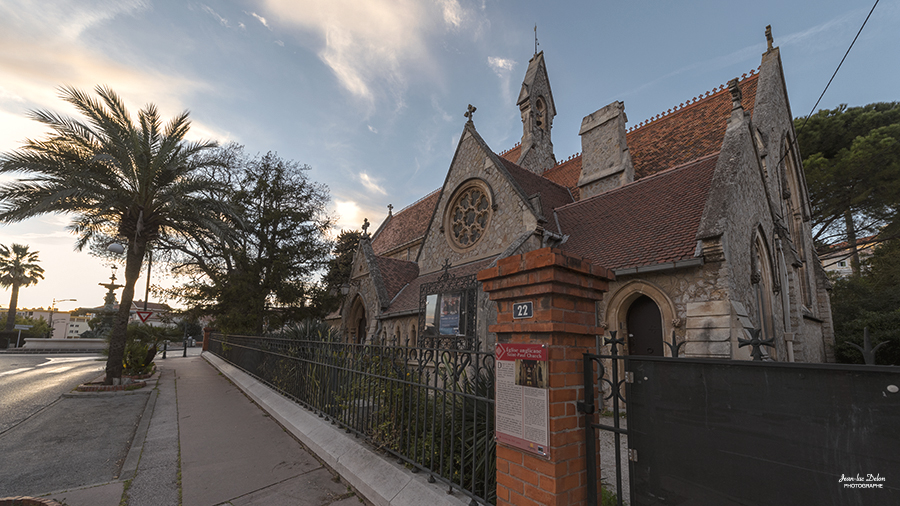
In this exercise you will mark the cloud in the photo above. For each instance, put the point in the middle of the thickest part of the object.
(503, 67)
(222, 21)
(373, 44)
(373, 129)
(47, 57)
(370, 183)
(280, 43)
(436, 105)
(261, 20)
(452, 11)
(349, 215)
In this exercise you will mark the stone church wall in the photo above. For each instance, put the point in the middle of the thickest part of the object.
(511, 218)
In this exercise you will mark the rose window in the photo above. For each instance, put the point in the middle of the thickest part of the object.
(469, 217)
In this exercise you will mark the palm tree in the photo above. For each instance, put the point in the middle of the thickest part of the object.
(141, 184)
(18, 268)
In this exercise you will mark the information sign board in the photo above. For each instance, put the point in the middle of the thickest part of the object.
(522, 401)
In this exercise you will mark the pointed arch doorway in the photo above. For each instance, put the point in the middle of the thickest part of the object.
(357, 322)
(645, 332)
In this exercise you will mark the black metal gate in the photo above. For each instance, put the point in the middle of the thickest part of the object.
(588, 408)
(726, 432)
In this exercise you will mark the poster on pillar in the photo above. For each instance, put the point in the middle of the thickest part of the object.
(521, 404)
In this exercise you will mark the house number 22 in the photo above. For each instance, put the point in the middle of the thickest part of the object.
(523, 310)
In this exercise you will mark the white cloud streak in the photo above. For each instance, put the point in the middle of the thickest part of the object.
(370, 184)
(222, 21)
(48, 57)
(371, 44)
(261, 20)
(503, 67)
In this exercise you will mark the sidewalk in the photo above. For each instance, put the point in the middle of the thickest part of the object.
(200, 430)
(208, 436)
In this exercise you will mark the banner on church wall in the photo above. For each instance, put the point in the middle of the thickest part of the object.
(522, 401)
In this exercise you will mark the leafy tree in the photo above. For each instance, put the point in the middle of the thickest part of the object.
(18, 268)
(871, 300)
(852, 162)
(39, 326)
(264, 277)
(339, 267)
(141, 183)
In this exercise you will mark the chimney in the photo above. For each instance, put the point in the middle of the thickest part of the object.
(605, 161)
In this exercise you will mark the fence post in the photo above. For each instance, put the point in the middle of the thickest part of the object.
(564, 290)
(206, 332)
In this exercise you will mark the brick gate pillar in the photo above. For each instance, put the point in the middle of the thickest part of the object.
(564, 290)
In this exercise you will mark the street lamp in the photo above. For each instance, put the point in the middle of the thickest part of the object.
(119, 249)
(52, 309)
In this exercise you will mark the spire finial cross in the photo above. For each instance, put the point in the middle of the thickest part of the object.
(470, 112)
(535, 39)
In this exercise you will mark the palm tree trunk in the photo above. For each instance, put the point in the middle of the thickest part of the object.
(133, 262)
(13, 302)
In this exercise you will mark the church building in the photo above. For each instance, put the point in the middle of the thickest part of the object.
(702, 214)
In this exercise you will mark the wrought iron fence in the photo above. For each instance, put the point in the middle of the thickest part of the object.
(432, 409)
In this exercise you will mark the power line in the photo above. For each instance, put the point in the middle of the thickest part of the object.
(838, 67)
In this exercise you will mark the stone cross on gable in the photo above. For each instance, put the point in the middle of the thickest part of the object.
(390, 209)
(365, 225)
(470, 112)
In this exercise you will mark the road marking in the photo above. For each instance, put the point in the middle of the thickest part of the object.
(16, 371)
(60, 360)
(58, 370)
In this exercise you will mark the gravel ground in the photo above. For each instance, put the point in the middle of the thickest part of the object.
(608, 458)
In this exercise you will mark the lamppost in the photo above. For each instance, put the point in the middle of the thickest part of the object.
(52, 310)
(119, 249)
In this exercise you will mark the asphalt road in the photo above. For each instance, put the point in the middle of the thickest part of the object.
(29, 383)
(51, 443)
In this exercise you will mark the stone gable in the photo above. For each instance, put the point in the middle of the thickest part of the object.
(511, 216)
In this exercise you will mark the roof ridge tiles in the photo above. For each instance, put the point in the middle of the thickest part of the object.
(510, 149)
(418, 201)
(689, 102)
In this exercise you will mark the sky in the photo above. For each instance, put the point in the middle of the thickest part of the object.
(371, 94)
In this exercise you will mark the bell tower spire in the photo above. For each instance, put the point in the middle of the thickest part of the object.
(537, 109)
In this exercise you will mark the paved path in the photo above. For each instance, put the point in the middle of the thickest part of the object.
(232, 452)
(199, 442)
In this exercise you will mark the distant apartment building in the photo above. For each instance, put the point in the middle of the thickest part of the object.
(836, 259)
(64, 324)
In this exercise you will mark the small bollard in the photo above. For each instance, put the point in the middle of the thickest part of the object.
(184, 343)
(165, 346)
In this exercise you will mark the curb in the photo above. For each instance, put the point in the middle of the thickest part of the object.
(381, 481)
(133, 458)
(27, 501)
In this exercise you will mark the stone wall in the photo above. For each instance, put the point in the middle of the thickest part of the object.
(511, 217)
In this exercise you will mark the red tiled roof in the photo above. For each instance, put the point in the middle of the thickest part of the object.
(396, 274)
(647, 222)
(690, 132)
(686, 134)
(406, 225)
(552, 195)
(408, 298)
(566, 174)
(512, 154)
